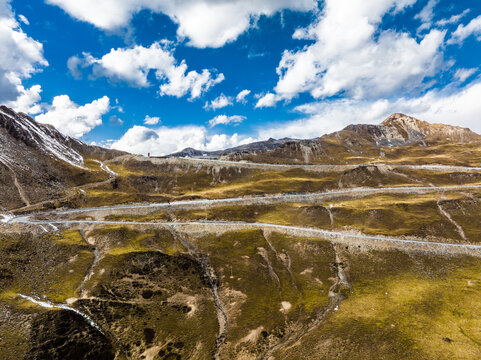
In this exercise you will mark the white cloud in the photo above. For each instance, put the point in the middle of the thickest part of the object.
(198, 20)
(23, 19)
(427, 14)
(74, 65)
(226, 120)
(20, 58)
(454, 19)
(28, 100)
(151, 120)
(115, 120)
(464, 31)
(241, 97)
(72, 119)
(354, 57)
(267, 100)
(220, 102)
(167, 140)
(133, 65)
(459, 107)
(463, 74)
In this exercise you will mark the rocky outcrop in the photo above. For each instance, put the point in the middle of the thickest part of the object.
(399, 130)
(360, 142)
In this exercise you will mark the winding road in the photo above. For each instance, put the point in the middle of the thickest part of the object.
(264, 199)
(312, 167)
(337, 237)
(333, 236)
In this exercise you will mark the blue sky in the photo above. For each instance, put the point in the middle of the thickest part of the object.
(145, 75)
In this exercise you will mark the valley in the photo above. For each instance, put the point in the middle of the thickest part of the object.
(362, 244)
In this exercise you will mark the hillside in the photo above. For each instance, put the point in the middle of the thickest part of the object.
(37, 162)
(374, 254)
(399, 136)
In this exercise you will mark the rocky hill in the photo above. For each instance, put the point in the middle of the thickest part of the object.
(399, 130)
(37, 162)
(361, 143)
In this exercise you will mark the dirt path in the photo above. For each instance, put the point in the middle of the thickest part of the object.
(20, 190)
(335, 298)
(272, 199)
(309, 167)
(91, 268)
(459, 229)
(39, 205)
(336, 237)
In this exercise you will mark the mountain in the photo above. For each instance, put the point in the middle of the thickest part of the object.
(397, 134)
(37, 162)
(254, 147)
(170, 258)
(399, 130)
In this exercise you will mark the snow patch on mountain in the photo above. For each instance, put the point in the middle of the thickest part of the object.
(47, 139)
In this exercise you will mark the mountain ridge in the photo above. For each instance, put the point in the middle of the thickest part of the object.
(358, 141)
(396, 130)
(37, 162)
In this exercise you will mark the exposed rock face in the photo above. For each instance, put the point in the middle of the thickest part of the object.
(400, 129)
(364, 141)
(44, 138)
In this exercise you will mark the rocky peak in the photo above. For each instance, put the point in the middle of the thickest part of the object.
(399, 129)
(411, 129)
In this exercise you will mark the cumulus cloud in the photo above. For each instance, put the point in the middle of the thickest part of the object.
(133, 65)
(427, 14)
(167, 140)
(20, 58)
(241, 97)
(72, 119)
(354, 57)
(267, 100)
(460, 107)
(464, 31)
(198, 20)
(226, 120)
(151, 120)
(220, 102)
(28, 100)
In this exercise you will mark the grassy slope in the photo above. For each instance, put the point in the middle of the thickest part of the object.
(403, 307)
(415, 215)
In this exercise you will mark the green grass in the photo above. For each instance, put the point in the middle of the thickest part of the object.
(52, 265)
(246, 281)
(402, 308)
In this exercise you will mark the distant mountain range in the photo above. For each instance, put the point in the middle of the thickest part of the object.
(37, 162)
(254, 147)
(359, 143)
